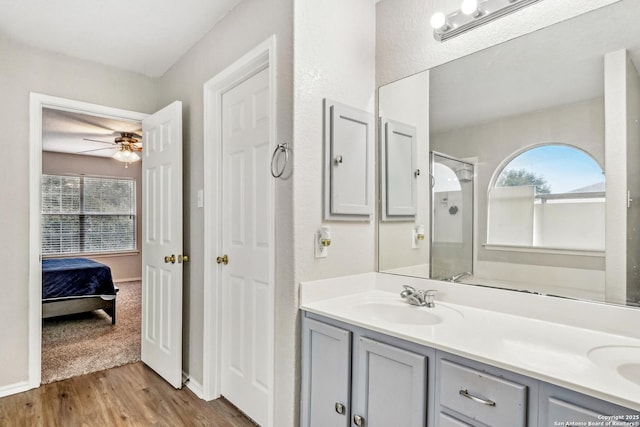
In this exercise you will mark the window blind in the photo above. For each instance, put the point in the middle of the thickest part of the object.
(83, 214)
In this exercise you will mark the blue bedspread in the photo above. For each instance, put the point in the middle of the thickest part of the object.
(73, 277)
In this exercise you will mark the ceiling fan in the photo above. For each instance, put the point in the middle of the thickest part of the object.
(128, 144)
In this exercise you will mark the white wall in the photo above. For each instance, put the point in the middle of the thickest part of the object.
(633, 181)
(24, 69)
(246, 26)
(407, 101)
(622, 109)
(123, 266)
(334, 58)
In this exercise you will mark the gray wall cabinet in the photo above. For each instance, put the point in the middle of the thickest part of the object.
(398, 171)
(348, 163)
(354, 377)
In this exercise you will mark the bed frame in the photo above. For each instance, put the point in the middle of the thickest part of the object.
(77, 285)
(62, 307)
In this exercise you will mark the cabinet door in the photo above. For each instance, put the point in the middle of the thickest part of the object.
(349, 162)
(390, 386)
(398, 171)
(326, 375)
(559, 405)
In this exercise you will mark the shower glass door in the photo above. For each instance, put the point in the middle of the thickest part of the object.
(451, 217)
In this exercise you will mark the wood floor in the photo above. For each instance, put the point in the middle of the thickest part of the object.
(130, 395)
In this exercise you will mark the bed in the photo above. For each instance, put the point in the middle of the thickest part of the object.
(77, 285)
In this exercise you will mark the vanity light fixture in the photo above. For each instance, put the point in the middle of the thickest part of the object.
(472, 13)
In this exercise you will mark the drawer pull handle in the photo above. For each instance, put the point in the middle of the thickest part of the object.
(468, 395)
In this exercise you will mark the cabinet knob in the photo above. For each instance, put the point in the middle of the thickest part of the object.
(338, 160)
(358, 420)
(340, 408)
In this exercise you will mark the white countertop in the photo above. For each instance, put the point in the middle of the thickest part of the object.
(553, 351)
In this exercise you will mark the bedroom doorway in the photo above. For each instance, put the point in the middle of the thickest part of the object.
(90, 234)
(161, 276)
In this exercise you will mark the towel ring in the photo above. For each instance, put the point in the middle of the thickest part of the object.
(280, 148)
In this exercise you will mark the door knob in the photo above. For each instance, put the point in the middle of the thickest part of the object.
(223, 259)
(170, 259)
(183, 258)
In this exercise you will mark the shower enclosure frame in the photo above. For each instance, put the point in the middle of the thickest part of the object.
(432, 215)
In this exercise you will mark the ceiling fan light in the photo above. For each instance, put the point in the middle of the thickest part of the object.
(126, 155)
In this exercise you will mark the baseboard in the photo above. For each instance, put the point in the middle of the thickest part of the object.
(132, 279)
(192, 385)
(16, 388)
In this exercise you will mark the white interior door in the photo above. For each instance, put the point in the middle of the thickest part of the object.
(247, 241)
(162, 243)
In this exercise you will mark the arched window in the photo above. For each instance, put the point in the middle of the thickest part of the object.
(549, 196)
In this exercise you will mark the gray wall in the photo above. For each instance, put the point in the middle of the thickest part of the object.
(123, 266)
(23, 70)
(246, 26)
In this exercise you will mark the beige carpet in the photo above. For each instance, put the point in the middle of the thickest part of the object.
(87, 342)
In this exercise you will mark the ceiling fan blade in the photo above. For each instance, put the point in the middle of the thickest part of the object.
(95, 140)
(95, 149)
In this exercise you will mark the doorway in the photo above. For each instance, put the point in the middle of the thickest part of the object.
(90, 234)
(240, 117)
(162, 281)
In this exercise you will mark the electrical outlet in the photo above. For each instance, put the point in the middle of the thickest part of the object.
(200, 198)
(320, 251)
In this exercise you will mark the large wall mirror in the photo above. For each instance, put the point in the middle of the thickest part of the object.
(524, 160)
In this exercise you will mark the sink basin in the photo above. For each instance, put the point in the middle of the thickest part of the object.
(621, 358)
(405, 314)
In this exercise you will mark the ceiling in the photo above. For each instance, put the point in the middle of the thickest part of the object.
(65, 132)
(144, 36)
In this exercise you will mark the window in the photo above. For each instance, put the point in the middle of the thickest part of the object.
(550, 196)
(82, 214)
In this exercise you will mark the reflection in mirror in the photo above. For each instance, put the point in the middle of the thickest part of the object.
(534, 119)
(550, 196)
(452, 216)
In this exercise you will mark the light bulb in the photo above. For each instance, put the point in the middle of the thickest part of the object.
(469, 7)
(438, 21)
(126, 155)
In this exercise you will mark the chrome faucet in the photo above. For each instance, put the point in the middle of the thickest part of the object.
(456, 277)
(418, 297)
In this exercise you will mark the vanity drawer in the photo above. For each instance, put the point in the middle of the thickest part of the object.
(483, 397)
(448, 421)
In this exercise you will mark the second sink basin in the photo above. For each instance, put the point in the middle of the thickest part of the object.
(623, 359)
(405, 314)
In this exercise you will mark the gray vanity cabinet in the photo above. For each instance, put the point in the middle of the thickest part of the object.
(559, 406)
(326, 375)
(389, 386)
(469, 393)
(353, 377)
